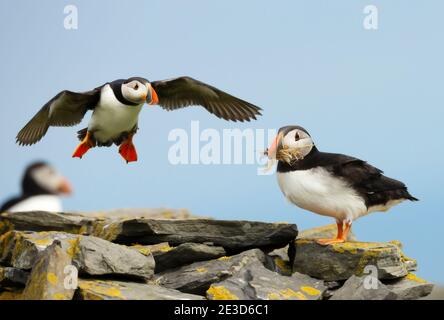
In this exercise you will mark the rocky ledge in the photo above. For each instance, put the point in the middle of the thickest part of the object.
(164, 254)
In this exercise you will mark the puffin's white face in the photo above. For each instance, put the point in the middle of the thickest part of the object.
(135, 91)
(291, 146)
(299, 140)
(49, 179)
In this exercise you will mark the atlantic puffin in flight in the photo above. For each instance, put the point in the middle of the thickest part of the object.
(42, 186)
(116, 106)
(330, 184)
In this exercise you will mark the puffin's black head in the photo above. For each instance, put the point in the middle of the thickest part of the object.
(40, 178)
(139, 90)
(292, 143)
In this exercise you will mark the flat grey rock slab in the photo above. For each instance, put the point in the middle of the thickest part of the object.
(46, 221)
(121, 290)
(410, 287)
(363, 288)
(91, 255)
(184, 254)
(233, 236)
(342, 260)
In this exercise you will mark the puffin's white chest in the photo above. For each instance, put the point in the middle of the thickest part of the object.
(38, 203)
(318, 191)
(111, 118)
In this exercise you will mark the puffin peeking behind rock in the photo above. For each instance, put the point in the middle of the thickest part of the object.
(116, 106)
(41, 187)
(329, 184)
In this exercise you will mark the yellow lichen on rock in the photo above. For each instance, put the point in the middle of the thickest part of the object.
(93, 290)
(282, 265)
(59, 296)
(413, 277)
(10, 295)
(73, 248)
(201, 270)
(290, 293)
(224, 258)
(220, 293)
(52, 278)
(273, 296)
(310, 290)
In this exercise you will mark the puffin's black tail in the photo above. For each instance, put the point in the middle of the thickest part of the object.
(81, 134)
(411, 198)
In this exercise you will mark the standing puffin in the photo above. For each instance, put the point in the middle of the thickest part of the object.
(116, 106)
(329, 184)
(41, 187)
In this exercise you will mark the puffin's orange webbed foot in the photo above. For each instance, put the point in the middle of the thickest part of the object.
(83, 147)
(127, 150)
(340, 237)
(326, 242)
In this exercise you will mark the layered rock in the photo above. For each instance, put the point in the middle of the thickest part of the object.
(132, 255)
(47, 278)
(342, 260)
(184, 254)
(120, 290)
(197, 277)
(91, 255)
(255, 282)
(46, 221)
(233, 236)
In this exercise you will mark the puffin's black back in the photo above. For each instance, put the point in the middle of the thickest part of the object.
(368, 181)
(30, 187)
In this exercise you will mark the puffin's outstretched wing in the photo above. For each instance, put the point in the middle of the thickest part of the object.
(185, 91)
(376, 188)
(66, 109)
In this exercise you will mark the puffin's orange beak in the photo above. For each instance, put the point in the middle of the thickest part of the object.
(154, 99)
(272, 151)
(65, 187)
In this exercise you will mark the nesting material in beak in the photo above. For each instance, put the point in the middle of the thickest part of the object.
(291, 154)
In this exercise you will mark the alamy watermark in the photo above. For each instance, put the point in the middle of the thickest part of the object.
(213, 147)
(71, 20)
(371, 19)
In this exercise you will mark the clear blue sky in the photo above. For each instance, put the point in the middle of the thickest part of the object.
(376, 95)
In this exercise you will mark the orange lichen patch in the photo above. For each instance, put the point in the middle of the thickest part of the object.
(310, 291)
(413, 277)
(220, 293)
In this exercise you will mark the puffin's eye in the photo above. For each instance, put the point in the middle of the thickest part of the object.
(296, 137)
(136, 87)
